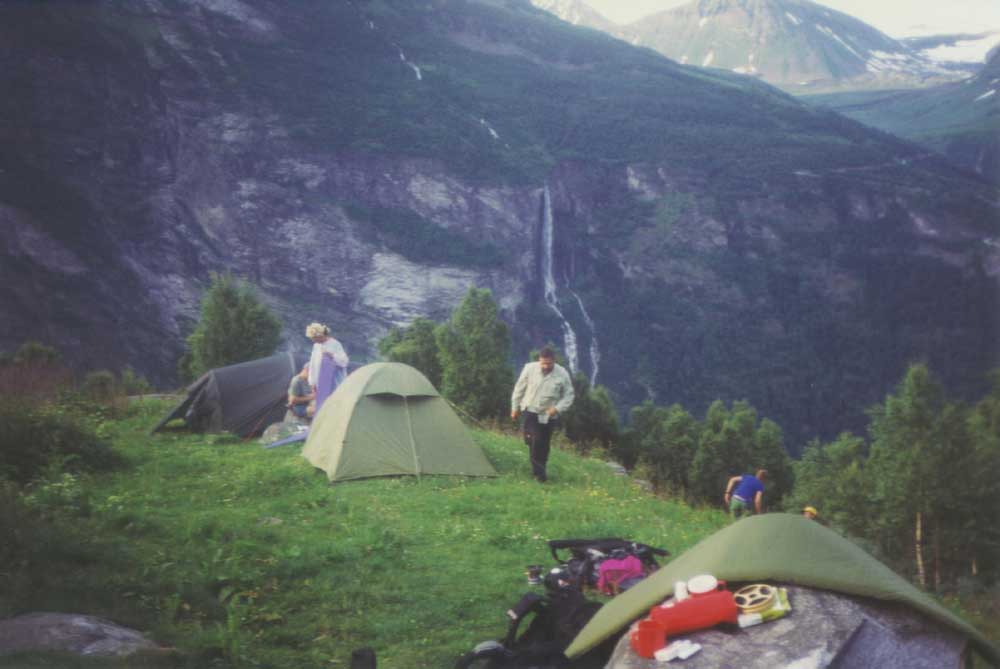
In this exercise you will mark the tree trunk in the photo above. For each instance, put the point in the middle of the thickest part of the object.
(937, 555)
(919, 551)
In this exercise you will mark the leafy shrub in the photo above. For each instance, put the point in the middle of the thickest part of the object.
(100, 386)
(36, 382)
(34, 372)
(133, 384)
(34, 438)
(56, 494)
(34, 352)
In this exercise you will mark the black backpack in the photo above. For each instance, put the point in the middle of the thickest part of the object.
(558, 618)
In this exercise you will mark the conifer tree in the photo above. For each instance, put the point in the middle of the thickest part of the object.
(473, 346)
(711, 466)
(639, 441)
(768, 452)
(234, 327)
(670, 458)
(416, 346)
(831, 477)
(592, 419)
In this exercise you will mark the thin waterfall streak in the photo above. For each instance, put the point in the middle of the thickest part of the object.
(595, 353)
(416, 70)
(548, 277)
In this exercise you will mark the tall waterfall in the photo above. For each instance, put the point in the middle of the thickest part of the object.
(548, 235)
(595, 353)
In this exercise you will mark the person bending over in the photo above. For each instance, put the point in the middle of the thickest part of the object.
(745, 494)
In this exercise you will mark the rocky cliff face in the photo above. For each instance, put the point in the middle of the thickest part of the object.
(133, 175)
(366, 163)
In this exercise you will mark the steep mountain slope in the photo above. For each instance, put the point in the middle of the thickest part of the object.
(794, 44)
(960, 120)
(704, 236)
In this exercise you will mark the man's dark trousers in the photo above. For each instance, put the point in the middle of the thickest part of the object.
(537, 436)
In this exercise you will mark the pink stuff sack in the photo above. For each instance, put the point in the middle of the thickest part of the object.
(613, 572)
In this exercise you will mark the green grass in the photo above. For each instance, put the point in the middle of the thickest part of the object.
(231, 555)
(240, 556)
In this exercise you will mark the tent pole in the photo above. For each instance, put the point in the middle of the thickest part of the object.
(413, 442)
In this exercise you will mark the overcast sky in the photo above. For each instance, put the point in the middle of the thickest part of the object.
(898, 18)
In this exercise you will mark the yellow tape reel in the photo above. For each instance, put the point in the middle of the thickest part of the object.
(755, 598)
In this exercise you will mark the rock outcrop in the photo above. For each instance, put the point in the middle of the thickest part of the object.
(70, 633)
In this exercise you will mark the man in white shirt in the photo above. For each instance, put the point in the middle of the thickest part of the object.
(543, 392)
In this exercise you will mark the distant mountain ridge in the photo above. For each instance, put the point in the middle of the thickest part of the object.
(960, 120)
(795, 44)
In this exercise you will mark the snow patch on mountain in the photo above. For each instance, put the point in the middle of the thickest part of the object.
(881, 61)
(830, 33)
(964, 51)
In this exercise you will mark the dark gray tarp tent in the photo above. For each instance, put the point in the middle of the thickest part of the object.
(243, 399)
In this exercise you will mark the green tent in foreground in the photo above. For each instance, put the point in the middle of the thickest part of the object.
(387, 419)
(774, 547)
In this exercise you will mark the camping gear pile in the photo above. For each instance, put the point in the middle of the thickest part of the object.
(610, 564)
(848, 606)
(700, 603)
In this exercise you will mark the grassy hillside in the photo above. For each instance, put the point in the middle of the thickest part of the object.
(240, 556)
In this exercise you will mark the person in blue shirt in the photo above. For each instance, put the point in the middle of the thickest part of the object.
(744, 491)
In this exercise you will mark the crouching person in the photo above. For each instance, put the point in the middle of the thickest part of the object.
(300, 395)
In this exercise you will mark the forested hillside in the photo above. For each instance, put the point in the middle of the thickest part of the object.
(365, 163)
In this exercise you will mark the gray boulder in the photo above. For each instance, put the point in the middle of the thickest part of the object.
(823, 630)
(72, 633)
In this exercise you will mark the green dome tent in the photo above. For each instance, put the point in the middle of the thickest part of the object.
(387, 419)
(774, 547)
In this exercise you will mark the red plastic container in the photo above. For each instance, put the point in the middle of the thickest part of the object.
(697, 612)
(647, 638)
